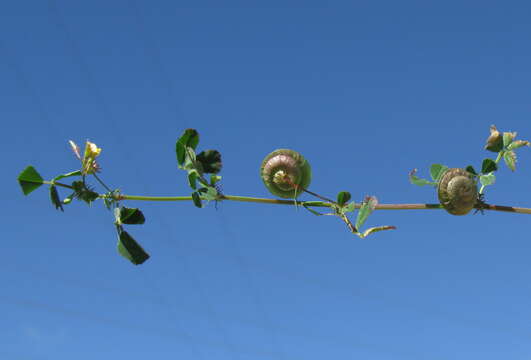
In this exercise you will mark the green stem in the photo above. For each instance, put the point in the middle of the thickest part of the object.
(518, 210)
(57, 184)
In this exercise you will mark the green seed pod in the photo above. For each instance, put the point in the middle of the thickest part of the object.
(284, 172)
(457, 191)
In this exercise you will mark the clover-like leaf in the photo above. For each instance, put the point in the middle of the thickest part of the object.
(508, 138)
(130, 249)
(131, 216)
(343, 197)
(188, 140)
(192, 178)
(471, 170)
(72, 173)
(415, 180)
(29, 180)
(518, 144)
(436, 171)
(54, 197)
(349, 207)
(488, 166)
(510, 159)
(196, 198)
(209, 193)
(210, 161)
(487, 179)
(367, 207)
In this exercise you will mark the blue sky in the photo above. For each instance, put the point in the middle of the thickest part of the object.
(366, 91)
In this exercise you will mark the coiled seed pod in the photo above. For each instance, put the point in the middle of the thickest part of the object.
(284, 172)
(457, 191)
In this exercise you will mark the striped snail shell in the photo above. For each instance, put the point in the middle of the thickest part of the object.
(457, 191)
(284, 172)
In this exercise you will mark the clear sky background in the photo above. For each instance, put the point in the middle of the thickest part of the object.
(366, 91)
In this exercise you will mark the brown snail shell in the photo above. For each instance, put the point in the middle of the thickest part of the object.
(457, 191)
(285, 173)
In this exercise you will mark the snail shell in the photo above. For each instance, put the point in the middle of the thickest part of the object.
(284, 172)
(457, 191)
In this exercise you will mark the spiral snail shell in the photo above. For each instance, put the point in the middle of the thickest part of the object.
(284, 172)
(457, 191)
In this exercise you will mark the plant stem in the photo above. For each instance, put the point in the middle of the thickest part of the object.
(57, 184)
(518, 210)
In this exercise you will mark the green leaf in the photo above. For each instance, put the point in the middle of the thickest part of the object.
(508, 138)
(196, 198)
(131, 216)
(488, 166)
(54, 197)
(130, 249)
(73, 173)
(518, 144)
(436, 171)
(349, 207)
(376, 229)
(29, 179)
(488, 179)
(367, 207)
(211, 161)
(418, 181)
(510, 159)
(214, 179)
(343, 197)
(471, 170)
(192, 178)
(209, 193)
(189, 139)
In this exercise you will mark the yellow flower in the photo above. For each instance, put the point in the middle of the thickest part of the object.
(88, 162)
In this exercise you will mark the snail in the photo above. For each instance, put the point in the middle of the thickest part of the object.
(285, 173)
(457, 191)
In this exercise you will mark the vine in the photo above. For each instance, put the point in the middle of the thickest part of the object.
(286, 174)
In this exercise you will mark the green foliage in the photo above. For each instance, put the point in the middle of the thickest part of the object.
(488, 179)
(131, 216)
(471, 170)
(129, 248)
(188, 140)
(29, 180)
(367, 207)
(70, 174)
(510, 159)
(436, 171)
(343, 197)
(210, 161)
(196, 198)
(54, 197)
(488, 166)
(415, 180)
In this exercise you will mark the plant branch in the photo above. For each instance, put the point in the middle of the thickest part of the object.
(519, 210)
